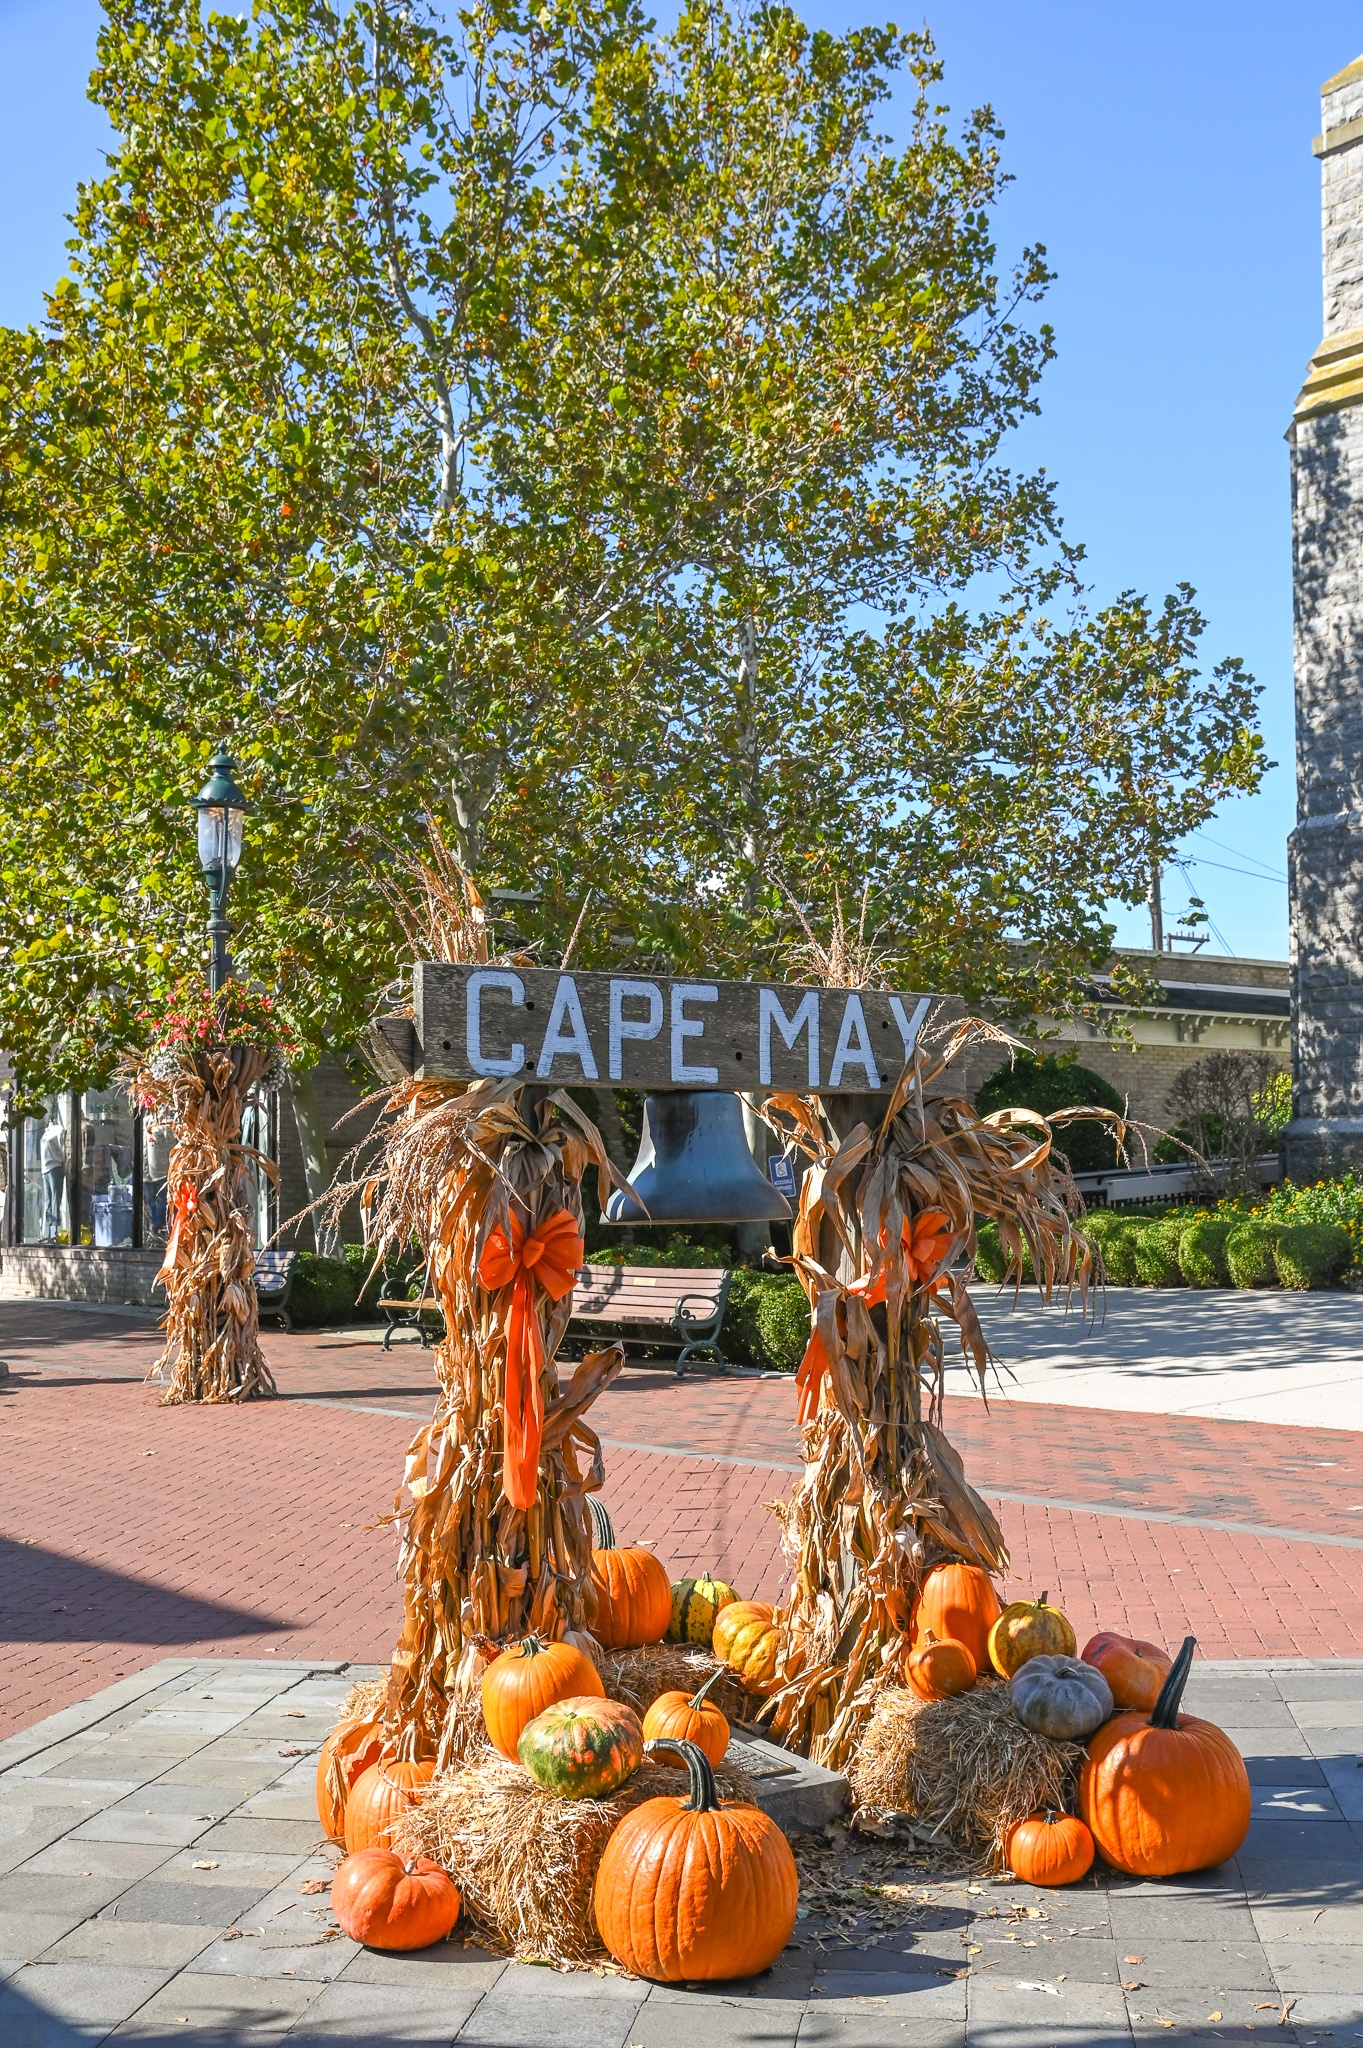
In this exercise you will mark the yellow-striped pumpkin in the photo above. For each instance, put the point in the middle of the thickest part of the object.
(696, 1604)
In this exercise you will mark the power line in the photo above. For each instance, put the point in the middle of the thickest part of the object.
(1239, 855)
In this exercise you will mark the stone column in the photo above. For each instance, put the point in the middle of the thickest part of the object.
(1325, 851)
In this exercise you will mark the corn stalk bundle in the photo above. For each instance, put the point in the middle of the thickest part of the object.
(466, 1173)
(885, 1234)
(212, 1320)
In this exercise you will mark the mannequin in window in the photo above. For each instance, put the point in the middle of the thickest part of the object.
(159, 1140)
(52, 1161)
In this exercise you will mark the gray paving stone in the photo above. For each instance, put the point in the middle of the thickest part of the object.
(281, 1802)
(58, 1892)
(1299, 1920)
(1319, 1841)
(89, 1994)
(369, 2012)
(156, 1944)
(1269, 1738)
(208, 2011)
(550, 2010)
(263, 1836)
(1296, 1802)
(1083, 1961)
(1284, 1770)
(232, 1866)
(1029, 2011)
(870, 2029)
(224, 1775)
(902, 1994)
(317, 1958)
(174, 1903)
(1326, 2015)
(1223, 1965)
(448, 1965)
(1316, 1966)
(173, 1830)
(1310, 1715)
(126, 1860)
(26, 1936)
(698, 2020)
(1147, 1917)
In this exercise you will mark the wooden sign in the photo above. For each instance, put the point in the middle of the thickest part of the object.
(625, 1031)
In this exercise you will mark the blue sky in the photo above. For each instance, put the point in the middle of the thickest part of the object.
(1162, 154)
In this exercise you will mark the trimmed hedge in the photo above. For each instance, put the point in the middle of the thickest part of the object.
(990, 1261)
(1202, 1252)
(1156, 1253)
(1312, 1254)
(782, 1322)
(323, 1292)
(1249, 1255)
(1118, 1248)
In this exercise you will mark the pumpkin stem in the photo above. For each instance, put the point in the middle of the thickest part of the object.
(1165, 1711)
(529, 1646)
(1042, 1601)
(704, 1792)
(713, 1679)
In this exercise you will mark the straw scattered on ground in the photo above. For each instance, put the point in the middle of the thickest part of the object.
(965, 1768)
(524, 1859)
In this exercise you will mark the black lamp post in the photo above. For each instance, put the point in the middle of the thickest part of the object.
(222, 812)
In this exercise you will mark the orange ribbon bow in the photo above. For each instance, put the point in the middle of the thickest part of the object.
(926, 1238)
(186, 1203)
(549, 1257)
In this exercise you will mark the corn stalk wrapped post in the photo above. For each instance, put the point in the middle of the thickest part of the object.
(208, 1057)
(885, 1234)
(495, 1532)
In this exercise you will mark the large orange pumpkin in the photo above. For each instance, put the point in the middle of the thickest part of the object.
(1134, 1670)
(1164, 1792)
(381, 1797)
(747, 1638)
(633, 1598)
(386, 1903)
(690, 1891)
(939, 1666)
(346, 1755)
(696, 1719)
(1050, 1848)
(959, 1600)
(526, 1679)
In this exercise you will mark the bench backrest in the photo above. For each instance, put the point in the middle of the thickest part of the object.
(274, 1266)
(649, 1291)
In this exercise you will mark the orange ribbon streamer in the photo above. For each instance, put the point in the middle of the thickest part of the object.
(926, 1237)
(549, 1257)
(186, 1203)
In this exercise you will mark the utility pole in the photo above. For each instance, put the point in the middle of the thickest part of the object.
(1156, 910)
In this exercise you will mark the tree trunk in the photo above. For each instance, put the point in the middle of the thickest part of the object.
(312, 1143)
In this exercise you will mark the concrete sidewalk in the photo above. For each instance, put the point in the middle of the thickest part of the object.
(158, 1842)
(1240, 1356)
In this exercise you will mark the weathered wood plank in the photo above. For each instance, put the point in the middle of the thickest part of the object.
(629, 1031)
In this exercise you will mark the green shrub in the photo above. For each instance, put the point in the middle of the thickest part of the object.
(991, 1263)
(1118, 1248)
(1249, 1254)
(1202, 1252)
(1157, 1253)
(673, 1251)
(1049, 1084)
(740, 1338)
(323, 1293)
(782, 1322)
(1313, 1254)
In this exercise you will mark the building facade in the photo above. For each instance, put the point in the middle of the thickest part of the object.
(1325, 851)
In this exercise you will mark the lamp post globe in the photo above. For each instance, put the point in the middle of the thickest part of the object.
(221, 809)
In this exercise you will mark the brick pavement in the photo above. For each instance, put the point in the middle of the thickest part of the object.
(127, 1530)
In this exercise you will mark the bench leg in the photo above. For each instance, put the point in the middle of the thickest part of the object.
(699, 1344)
(388, 1333)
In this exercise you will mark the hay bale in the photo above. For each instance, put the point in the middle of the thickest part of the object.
(524, 1859)
(364, 1700)
(638, 1677)
(965, 1766)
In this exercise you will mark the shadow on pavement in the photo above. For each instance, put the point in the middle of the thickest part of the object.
(46, 1597)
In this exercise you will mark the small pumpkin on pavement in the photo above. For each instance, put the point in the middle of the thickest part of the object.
(1061, 1697)
(1165, 1792)
(380, 1797)
(937, 1667)
(388, 1902)
(526, 1679)
(1029, 1628)
(696, 1719)
(582, 1748)
(696, 1605)
(692, 1891)
(1050, 1848)
(633, 1598)
(958, 1600)
(748, 1639)
(1134, 1670)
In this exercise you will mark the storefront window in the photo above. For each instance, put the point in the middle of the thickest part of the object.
(157, 1140)
(46, 1178)
(257, 1134)
(107, 1142)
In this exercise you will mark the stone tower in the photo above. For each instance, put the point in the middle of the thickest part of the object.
(1325, 851)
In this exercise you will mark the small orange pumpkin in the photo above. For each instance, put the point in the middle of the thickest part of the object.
(747, 1638)
(346, 1755)
(529, 1677)
(939, 1666)
(1134, 1670)
(379, 1798)
(690, 1890)
(1050, 1849)
(386, 1903)
(1164, 1792)
(959, 1600)
(696, 1720)
(633, 1598)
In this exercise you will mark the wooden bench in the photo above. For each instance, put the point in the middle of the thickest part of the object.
(687, 1302)
(273, 1276)
(406, 1312)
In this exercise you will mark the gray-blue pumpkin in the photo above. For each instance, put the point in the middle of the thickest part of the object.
(1061, 1697)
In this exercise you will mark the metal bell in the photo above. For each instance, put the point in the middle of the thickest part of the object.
(695, 1165)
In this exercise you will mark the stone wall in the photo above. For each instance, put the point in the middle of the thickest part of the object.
(49, 1272)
